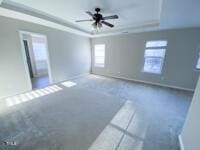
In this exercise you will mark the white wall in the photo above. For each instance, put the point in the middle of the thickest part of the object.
(70, 55)
(125, 57)
(191, 131)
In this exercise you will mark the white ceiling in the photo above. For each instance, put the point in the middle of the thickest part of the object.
(180, 14)
(134, 15)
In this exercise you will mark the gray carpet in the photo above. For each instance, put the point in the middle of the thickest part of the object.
(160, 111)
(76, 118)
(68, 119)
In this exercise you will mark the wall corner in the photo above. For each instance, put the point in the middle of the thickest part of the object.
(181, 142)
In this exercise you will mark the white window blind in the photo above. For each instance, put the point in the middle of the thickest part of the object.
(99, 55)
(39, 51)
(154, 56)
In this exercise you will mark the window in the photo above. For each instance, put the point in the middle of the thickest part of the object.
(40, 56)
(198, 63)
(39, 50)
(99, 55)
(154, 56)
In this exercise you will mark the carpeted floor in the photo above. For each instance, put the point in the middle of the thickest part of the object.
(40, 82)
(161, 111)
(97, 113)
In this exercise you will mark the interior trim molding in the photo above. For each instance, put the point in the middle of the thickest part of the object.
(14, 94)
(150, 25)
(147, 82)
(28, 18)
(75, 77)
(24, 56)
(56, 23)
(145, 27)
(181, 142)
(15, 6)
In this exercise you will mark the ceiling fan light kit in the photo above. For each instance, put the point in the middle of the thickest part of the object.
(96, 25)
(98, 19)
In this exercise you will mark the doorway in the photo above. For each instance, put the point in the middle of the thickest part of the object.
(35, 48)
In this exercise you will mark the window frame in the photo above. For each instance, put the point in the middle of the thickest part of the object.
(96, 65)
(155, 48)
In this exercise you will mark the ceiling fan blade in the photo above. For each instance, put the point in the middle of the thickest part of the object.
(91, 14)
(83, 20)
(110, 17)
(108, 24)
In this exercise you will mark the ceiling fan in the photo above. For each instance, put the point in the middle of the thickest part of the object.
(99, 19)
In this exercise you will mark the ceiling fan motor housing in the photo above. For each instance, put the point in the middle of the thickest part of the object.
(98, 17)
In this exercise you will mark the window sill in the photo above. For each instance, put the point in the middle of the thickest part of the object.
(99, 67)
(153, 73)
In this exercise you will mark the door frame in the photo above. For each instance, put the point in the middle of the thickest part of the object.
(25, 59)
(28, 56)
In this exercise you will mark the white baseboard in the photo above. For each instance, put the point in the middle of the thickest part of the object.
(74, 77)
(147, 82)
(14, 94)
(78, 76)
(181, 142)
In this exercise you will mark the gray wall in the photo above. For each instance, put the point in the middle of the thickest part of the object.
(191, 131)
(70, 55)
(125, 57)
